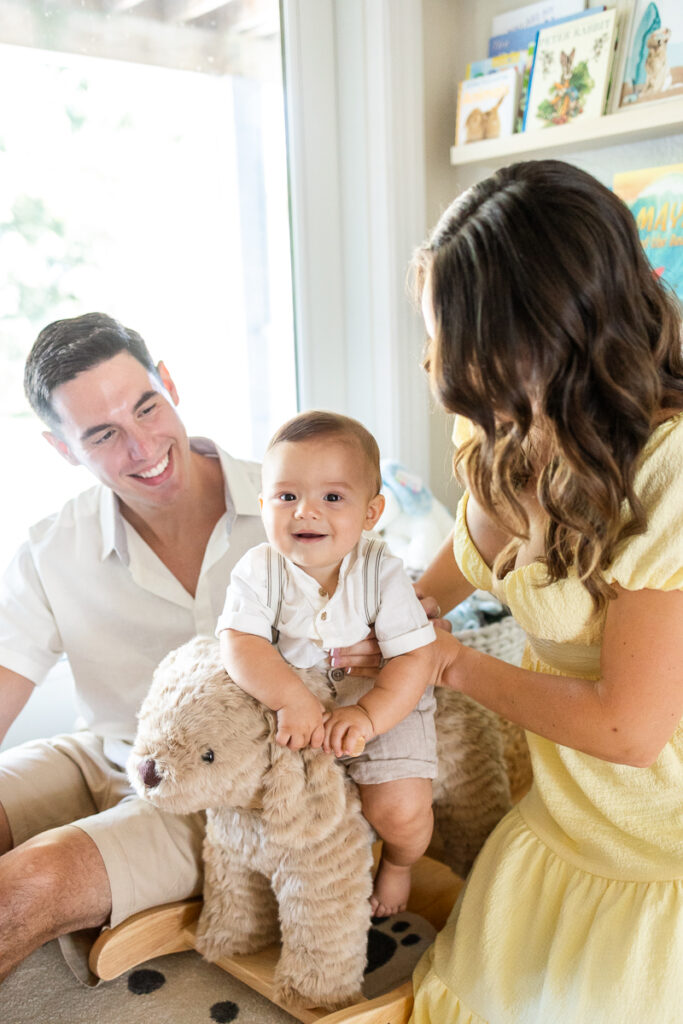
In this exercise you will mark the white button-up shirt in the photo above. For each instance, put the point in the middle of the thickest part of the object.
(311, 623)
(86, 585)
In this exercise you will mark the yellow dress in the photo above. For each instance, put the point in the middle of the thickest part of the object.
(573, 911)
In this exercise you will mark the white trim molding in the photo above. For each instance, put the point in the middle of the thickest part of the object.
(354, 88)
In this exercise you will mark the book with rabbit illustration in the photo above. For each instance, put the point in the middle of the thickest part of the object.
(651, 65)
(655, 198)
(487, 106)
(571, 71)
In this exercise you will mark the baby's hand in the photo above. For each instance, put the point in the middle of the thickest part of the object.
(300, 724)
(347, 730)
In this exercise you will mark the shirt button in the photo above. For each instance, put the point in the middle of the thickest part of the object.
(323, 615)
(322, 592)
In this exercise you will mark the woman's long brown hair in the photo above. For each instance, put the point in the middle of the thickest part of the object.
(551, 323)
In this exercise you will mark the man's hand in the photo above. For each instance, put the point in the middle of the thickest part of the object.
(300, 724)
(347, 730)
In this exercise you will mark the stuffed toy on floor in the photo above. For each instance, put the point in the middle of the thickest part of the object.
(287, 850)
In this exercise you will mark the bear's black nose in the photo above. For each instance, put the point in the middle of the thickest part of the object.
(147, 770)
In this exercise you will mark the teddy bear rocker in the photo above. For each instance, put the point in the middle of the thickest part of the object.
(287, 850)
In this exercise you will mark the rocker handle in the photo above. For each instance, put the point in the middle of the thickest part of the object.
(150, 933)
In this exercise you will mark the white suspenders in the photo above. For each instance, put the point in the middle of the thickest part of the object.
(276, 571)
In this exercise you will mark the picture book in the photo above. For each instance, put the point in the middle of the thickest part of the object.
(651, 67)
(534, 14)
(521, 59)
(516, 58)
(571, 71)
(655, 197)
(519, 39)
(487, 106)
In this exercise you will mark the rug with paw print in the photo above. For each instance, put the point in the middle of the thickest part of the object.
(184, 989)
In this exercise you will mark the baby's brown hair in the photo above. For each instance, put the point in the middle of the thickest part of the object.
(317, 423)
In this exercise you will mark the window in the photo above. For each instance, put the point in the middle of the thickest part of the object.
(143, 174)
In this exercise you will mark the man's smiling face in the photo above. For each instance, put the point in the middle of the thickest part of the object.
(119, 421)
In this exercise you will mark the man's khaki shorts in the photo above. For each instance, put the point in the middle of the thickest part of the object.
(151, 856)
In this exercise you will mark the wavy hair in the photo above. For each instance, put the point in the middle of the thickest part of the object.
(550, 323)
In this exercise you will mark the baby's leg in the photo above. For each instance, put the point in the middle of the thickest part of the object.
(401, 813)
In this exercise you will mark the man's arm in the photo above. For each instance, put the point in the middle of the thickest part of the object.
(15, 690)
(259, 669)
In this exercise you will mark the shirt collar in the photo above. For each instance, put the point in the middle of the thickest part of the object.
(112, 526)
(241, 499)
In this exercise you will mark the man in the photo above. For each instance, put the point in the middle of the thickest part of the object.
(126, 571)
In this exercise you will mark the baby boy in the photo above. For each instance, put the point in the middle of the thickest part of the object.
(320, 493)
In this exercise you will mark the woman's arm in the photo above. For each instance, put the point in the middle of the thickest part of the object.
(627, 716)
(259, 669)
(442, 580)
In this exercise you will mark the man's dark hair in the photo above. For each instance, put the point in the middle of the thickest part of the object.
(66, 348)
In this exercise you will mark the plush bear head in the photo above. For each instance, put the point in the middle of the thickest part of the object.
(201, 740)
(204, 744)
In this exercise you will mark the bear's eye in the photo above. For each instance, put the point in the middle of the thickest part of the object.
(208, 756)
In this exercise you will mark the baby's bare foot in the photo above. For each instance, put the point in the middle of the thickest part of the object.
(391, 889)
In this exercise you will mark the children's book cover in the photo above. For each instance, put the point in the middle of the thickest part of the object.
(571, 70)
(655, 198)
(519, 38)
(652, 66)
(521, 59)
(534, 14)
(487, 106)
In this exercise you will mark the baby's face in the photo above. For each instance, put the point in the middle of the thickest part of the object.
(317, 498)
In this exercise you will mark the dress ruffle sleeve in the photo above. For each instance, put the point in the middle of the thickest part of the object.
(654, 559)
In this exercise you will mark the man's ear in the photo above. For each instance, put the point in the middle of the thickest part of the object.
(375, 509)
(61, 446)
(167, 381)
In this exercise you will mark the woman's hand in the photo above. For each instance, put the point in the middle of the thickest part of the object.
(432, 610)
(447, 650)
(362, 659)
(365, 658)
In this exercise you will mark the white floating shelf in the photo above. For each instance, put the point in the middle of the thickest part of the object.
(644, 122)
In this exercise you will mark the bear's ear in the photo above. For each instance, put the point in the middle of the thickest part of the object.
(304, 796)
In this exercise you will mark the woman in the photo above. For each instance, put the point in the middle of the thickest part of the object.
(550, 333)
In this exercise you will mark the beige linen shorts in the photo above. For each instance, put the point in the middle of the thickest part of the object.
(151, 856)
(408, 751)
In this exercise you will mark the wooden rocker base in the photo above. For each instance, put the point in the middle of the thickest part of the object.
(172, 928)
